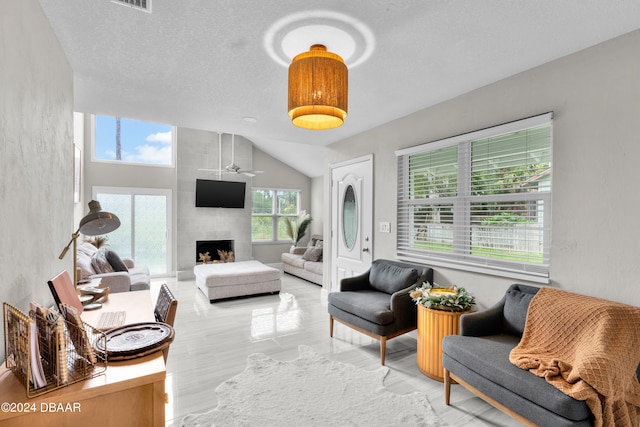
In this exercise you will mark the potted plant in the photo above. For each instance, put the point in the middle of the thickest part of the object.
(297, 229)
(452, 299)
(439, 311)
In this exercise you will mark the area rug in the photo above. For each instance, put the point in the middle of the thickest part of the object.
(312, 391)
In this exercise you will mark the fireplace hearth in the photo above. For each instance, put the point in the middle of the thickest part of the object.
(212, 246)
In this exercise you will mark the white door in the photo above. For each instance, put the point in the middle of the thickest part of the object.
(351, 218)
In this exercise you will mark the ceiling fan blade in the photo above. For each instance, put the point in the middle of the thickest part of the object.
(231, 168)
(214, 170)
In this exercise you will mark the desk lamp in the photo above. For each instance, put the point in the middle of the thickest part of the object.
(96, 222)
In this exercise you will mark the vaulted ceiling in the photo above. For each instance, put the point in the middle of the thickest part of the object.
(221, 65)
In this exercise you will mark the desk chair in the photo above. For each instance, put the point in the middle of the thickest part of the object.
(165, 311)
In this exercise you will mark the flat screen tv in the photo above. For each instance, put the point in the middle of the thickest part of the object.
(219, 194)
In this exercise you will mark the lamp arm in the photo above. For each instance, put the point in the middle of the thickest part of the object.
(74, 236)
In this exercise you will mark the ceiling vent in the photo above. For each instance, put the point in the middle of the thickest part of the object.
(144, 5)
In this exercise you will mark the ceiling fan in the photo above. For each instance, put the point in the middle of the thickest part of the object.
(231, 168)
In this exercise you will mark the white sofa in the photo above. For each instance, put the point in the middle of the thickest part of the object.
(305, 261)
(118, 274)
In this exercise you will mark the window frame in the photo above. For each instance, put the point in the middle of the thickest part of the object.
(275, 216)
(461, 256)
(94, 158)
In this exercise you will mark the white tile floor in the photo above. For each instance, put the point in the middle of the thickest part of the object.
(213, 341)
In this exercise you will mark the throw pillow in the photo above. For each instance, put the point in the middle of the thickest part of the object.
(99, 262)
(83, 261)
(390, 278)
(515, 309)
(87, 249)
(313, 254)
(115, 261)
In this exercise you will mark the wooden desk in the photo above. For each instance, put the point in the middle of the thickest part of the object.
(129, 393)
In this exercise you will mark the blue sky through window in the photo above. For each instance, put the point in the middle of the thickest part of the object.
(141, 142)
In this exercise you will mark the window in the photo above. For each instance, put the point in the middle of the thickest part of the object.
(132, 141)
(268, 209)
(480, 201)
(145, 218)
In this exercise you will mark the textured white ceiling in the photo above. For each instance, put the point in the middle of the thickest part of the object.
(203, 63)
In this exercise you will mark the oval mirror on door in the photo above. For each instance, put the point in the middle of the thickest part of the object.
(349, 217)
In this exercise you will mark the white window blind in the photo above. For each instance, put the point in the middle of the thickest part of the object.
(479, 201)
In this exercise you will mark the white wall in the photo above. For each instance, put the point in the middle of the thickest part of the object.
(595, 97)
(279, 175)
(36, 155)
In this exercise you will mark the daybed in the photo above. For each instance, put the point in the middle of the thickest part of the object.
(305, 262)
(479, 359)
(118, 274)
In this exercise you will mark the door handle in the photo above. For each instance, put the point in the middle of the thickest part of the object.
(365, 249)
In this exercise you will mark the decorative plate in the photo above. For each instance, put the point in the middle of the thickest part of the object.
(135, 340)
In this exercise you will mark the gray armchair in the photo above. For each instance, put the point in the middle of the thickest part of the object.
(377, 303)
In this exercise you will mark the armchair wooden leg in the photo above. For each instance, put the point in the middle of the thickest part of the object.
(331, 326)
(383, 349)
(447, 387)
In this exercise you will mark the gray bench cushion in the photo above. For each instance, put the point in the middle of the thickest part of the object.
(369, 305)
(488, 356)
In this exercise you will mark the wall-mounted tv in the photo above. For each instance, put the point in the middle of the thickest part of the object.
(219, 194)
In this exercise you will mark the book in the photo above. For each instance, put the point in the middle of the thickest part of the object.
(64, 291)
(61, 369)
(17, 341)
(77, 333)
(37, 372)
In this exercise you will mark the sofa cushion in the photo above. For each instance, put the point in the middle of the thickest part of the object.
(370, 305)
(313, 267)
(100, 263)
(313, 254)
(293, 260)
(115, 261)
(489, 357)
(139, 281)
(515, 311)
(389, 278)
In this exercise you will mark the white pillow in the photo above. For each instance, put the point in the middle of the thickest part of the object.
(87, 249)
(83, 261)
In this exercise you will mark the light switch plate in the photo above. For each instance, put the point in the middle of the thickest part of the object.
(385, 227)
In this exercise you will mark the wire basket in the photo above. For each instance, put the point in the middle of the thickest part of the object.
(47, 352)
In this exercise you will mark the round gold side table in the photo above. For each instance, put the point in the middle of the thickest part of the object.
(433, 326)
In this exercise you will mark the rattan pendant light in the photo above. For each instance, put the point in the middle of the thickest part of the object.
(318, 87)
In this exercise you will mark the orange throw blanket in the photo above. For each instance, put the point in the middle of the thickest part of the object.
(588, 348)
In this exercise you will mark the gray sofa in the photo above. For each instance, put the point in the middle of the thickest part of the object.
(117, 274)
(478, 359)
(305, 261)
